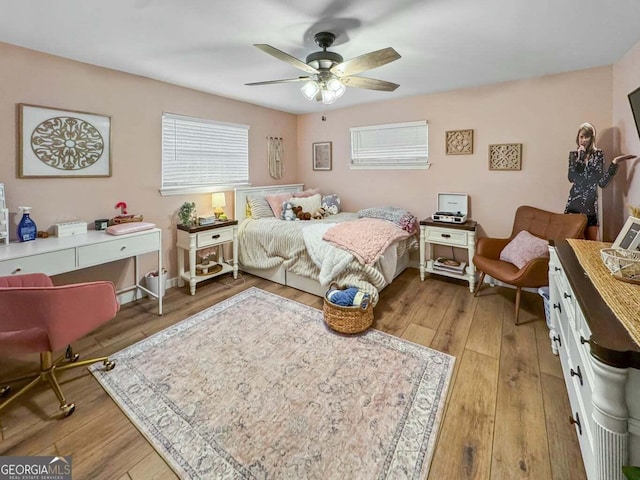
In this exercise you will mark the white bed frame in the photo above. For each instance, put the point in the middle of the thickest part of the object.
(279, 274)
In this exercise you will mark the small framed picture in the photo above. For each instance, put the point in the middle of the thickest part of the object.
(629, 236)
(322, 156)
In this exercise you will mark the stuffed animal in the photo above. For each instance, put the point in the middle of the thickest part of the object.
(297, 211)
(287, 211)
(318, 214)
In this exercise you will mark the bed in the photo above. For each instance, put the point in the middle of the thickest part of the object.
(279, 250)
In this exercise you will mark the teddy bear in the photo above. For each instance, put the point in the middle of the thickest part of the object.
(287, 211)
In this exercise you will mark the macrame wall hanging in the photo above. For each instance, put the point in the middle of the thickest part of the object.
(275, 155)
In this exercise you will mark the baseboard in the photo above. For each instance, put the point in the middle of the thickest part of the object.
(497, 283)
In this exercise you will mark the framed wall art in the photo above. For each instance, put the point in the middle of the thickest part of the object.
(63, 143)
(459, 142)
(505, 156)
(322, 156)
(629, 236)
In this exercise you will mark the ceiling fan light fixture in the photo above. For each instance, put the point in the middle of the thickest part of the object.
(310, 89)
(336, 86)
(328, 96)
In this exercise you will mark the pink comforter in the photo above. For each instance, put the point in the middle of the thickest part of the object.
(365, 238)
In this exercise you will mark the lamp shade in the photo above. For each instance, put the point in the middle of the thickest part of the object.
(218, 200)
(310, 89)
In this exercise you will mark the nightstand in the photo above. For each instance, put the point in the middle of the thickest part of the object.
(193, 239)
(461, 235)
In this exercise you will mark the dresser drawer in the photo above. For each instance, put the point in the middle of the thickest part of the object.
(116, 249)
(51, 263)
(214, 237)
(446, 236)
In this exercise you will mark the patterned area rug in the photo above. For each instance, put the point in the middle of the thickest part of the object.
(258, 387)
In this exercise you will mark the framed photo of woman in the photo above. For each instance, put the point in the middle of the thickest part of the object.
(322, 156)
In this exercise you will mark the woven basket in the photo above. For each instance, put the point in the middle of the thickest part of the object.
(347, 319)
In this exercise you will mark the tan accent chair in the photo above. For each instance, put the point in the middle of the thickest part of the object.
(535, 273)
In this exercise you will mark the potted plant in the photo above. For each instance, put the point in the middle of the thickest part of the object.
(632, 473)
(187, 214)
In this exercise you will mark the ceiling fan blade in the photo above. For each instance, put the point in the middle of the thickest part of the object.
(365, 62)
(286, 80)
(369, 83)
(285, 57)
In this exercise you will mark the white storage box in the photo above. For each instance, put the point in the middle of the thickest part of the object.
(66, 229)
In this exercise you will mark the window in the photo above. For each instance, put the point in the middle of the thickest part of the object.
(200, 155)
(394, 146)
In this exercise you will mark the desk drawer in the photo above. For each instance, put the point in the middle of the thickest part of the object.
(446, 236)
(116, 249)
(51, 263)
(214, 237)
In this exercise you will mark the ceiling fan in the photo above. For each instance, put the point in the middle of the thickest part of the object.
(329, 74)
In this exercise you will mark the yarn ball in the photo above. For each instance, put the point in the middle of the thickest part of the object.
(348, 297)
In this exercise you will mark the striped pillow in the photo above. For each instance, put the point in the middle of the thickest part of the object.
(259, 206)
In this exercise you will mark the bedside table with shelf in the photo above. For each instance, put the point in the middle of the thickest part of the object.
(193, 239)
(461, 235)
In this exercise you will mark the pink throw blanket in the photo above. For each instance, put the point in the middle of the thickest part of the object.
(366, 238)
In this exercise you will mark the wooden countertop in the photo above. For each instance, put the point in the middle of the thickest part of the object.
(610, 342)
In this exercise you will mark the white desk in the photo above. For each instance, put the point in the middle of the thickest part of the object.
(55, 255)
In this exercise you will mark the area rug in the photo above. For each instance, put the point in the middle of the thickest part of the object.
(258, 387)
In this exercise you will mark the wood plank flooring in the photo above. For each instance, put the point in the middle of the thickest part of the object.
(507, 408)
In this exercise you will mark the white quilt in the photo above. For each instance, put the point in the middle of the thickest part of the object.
(330, 259)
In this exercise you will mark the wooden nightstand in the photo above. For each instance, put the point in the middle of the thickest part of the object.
(456, 235)
(192, 239)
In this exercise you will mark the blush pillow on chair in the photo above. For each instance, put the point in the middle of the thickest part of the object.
(523, 248)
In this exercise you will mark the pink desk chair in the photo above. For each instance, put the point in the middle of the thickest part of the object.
(35, 316)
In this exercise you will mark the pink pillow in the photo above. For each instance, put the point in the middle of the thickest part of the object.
(130, 227)
(306, 193)
(275, 202)
(523, 248)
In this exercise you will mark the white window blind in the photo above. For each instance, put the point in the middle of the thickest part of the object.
(203, 153)
(393, 146)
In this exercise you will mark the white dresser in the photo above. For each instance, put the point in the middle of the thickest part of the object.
(55, 255)
(600, 363)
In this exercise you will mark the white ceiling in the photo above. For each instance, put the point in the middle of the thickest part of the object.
(445, 44)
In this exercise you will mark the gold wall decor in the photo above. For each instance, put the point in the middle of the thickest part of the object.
(63, 143)
(459, 142)
(505, 156)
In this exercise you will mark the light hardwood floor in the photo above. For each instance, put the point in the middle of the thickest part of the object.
(507, 410)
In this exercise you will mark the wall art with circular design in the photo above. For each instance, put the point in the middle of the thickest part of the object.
(63, 143)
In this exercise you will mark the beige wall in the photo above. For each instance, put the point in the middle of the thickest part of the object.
(135, 105)
(543, 114)
(626, 78)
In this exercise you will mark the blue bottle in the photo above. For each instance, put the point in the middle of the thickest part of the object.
(27, 229)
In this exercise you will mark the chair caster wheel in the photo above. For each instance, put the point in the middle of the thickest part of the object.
(109, 365)
(68, 409)
(5, 390)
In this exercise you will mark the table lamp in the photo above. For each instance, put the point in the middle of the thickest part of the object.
(217, 202)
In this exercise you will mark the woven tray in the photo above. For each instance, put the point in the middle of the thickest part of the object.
(347, 319)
